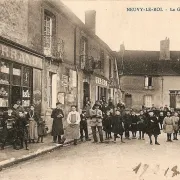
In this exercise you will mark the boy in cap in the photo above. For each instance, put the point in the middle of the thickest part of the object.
(84, 126)
(22, 129)
(127, 123)
(153, 127)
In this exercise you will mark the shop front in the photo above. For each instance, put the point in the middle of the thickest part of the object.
(20, 77)
(101, 88)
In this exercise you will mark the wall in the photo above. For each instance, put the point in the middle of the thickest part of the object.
(14, 20)
(170, 83)
(134, 85)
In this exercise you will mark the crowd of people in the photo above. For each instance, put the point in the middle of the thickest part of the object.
(23, 127)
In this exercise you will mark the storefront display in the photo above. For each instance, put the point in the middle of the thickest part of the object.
(15, 84)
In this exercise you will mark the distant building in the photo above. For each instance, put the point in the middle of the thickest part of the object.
(150, 77)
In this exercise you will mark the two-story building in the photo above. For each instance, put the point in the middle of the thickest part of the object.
(150, 77)
(49, 55)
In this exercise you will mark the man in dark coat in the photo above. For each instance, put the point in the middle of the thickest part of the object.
(153, 127)
(127, 123)
(57, 126)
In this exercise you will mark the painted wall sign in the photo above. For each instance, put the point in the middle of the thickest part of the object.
(65, 80)
(20, 56)
(101, 81)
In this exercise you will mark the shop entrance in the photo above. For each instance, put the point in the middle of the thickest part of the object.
(86, 89)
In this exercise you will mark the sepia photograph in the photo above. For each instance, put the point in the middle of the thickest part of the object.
(89, 90)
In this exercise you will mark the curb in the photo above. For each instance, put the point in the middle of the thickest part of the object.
(10, 162)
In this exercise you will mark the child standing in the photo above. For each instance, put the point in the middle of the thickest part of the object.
(141, 125)
(117, 126)
(84, 126)
(153, 127)
(168, 125)
(41, 129)
(134, 124)
(22, 129)
(107, 124)
(8, 124)
(175, 118)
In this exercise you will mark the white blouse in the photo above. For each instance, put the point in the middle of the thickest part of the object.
(77, 117)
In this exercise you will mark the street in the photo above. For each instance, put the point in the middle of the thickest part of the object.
(102, 162)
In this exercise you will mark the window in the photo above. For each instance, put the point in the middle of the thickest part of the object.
(83, 51)
(102, 58)
(52, 90)
(15, 84)
(148, 82)
(148, 101)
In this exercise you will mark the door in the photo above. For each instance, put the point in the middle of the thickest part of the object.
(128, 100)
(86, 92)
(172, 100)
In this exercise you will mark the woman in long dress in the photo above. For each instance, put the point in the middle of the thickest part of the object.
(33, 119)
(72, 129)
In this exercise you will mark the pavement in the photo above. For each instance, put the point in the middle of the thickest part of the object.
(9, 156)
(135, 159)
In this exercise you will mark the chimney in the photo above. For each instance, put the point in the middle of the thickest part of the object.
(164, 49)
(90, 20)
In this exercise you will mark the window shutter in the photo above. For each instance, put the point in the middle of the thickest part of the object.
(146, 81)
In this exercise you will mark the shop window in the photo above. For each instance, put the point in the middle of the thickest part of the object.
(52, 90)
(148, 101)
(4, 84)
(148, 82)
(15, 84)
(16, 75)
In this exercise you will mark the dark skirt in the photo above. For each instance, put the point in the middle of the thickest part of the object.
(153, 131)
(133, 127)
(107, 126)
(141, 127)
(41, 130)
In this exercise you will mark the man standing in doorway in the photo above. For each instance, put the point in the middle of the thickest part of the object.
(96, 122)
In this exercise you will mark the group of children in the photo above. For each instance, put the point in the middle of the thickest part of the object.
(16, 128)
(146, 122)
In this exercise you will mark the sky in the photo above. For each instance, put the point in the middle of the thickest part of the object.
(138, 30)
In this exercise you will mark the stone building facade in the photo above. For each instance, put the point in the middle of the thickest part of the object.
(73, 63)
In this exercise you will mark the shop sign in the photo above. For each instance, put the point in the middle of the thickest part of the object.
(65, 80)
(101, 81)
(20, 56)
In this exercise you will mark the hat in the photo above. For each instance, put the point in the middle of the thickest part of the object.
(97, 104)
(58, 103)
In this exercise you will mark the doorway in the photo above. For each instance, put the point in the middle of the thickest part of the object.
(86, 90)
(128, 100)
